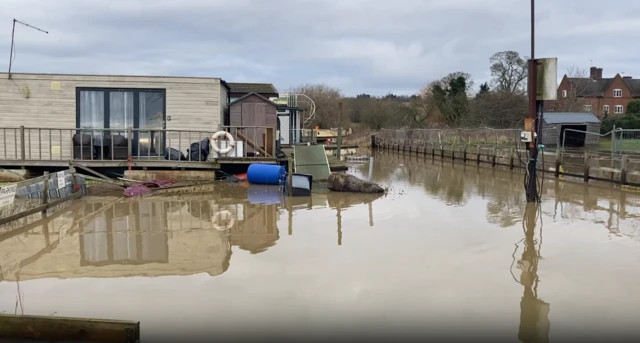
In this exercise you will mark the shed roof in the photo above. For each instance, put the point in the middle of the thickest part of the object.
(263, 88)
(570, 118)
(252, 94)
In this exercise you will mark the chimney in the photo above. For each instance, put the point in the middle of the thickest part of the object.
(599, 73)
(594, 73)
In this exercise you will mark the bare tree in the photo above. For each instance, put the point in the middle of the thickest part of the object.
(579, 86)
(327, 100)
(509, 72)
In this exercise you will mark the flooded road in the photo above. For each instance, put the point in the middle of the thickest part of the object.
(451, 251)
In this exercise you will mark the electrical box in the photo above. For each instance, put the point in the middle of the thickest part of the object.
(526, 137)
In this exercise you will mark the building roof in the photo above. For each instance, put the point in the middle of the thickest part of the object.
(254, 94)
(570, 118)
(261, 88)
(587, 87)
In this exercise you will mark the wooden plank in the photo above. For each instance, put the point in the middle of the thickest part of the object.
(252, 144)
(68, 329)
(87, 169)
(39, 208)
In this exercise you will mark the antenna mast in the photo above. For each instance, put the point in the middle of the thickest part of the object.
(13, 31)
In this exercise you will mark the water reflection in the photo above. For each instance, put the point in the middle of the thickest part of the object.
(534, 312)
(157, 236)
(502, 190)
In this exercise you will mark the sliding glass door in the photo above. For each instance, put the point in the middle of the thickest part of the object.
(116, 110)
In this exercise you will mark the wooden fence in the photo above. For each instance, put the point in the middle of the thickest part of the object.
(619, 169)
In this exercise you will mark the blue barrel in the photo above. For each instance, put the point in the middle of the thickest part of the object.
(265, 174)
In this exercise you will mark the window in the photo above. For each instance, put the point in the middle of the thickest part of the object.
(617, 93)
(618, 109)
(587, 108)
(564, 93)
(605, 109)
(120, 109)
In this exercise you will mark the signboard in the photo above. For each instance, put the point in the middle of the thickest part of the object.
(547, 84)
(7, 194)
(61, 182)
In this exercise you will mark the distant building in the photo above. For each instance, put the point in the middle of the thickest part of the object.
(238, 90)
(595, 94)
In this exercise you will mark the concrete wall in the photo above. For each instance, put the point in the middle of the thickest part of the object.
(191, 103)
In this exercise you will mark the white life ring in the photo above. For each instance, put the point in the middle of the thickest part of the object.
(226, 213)
(229, 138)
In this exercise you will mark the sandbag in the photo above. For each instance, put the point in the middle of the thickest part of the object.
(173, 154)
(199, 151)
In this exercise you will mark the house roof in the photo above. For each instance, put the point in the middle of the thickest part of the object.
(254, 94)
(570, 118)
(588, 87)
(261, 88)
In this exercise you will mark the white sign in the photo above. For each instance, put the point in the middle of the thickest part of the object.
(7, 194)
(61, 182)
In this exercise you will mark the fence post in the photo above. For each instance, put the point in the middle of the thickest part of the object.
(623, 170)
(464, 154)
(558, 163)
(511, 165)
(478, 155)
(373, 142)
(586, 166)
(22, 144)
(45, 193)
(493, 158)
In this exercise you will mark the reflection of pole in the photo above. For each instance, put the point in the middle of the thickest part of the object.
(339, 216)
(290, 215)
(534, 321)
(370, 214)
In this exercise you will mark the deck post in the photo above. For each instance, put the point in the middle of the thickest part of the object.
(586, 166)
(22, 144)
(129, 141)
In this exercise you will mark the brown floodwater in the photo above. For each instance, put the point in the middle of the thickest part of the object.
(450, 251)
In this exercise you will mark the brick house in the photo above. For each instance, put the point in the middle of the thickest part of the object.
(596, 94)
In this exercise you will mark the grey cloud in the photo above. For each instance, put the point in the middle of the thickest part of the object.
(372, 46)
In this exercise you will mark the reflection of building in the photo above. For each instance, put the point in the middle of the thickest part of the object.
(148, 237)
(128, 233)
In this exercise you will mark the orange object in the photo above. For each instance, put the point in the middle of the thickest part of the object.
(317, 127)
(242, 176)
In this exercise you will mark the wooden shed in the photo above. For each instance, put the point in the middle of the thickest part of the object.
(571, 129)
(254, 110)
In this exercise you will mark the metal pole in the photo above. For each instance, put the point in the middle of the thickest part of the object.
(339, 143)
(535, 114)
(12, 40)
(13, 31)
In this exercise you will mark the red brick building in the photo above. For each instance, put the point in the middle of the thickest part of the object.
(596, 94)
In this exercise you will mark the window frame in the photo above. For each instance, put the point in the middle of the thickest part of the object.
(588, 108)
(615, 109)
(616, 92)
(606, 109)
(564, 93)
(107, 102)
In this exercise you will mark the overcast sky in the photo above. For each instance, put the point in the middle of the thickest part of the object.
(359, 46)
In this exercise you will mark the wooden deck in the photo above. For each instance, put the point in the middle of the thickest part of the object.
(136, 163)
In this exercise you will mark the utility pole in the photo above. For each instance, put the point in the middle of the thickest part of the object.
(13, 31)
(533, 124)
